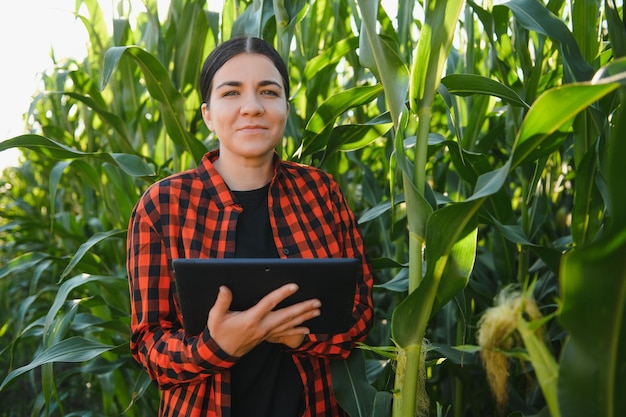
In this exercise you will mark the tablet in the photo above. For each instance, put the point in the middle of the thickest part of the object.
(331, 280)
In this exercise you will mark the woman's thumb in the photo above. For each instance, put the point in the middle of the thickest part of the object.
(223, 301)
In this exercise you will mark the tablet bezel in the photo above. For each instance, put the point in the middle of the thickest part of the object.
(331, 280)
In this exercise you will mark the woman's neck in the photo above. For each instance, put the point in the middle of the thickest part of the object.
(246, 176)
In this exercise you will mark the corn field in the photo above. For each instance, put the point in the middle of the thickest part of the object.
(478, 143)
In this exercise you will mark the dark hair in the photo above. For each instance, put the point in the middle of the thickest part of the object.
(235, 46)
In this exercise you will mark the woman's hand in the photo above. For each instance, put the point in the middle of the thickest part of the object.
(238, 332)
(292, 341)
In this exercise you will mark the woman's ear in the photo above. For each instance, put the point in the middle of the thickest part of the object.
(206, 116)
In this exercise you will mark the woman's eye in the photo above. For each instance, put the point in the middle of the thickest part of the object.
(269, 93)
(229, 93)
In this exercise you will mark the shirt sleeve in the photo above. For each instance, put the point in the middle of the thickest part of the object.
(158, 341)
(340, 345)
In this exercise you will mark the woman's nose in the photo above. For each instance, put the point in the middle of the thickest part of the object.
(251, 105)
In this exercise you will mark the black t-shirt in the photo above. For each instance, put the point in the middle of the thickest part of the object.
(264, 382)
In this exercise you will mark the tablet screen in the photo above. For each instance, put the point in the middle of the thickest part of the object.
(331, 280)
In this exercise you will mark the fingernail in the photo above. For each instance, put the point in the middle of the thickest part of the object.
(293, 287)
(317, 304)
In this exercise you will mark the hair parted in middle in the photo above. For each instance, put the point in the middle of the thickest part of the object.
(235, 46)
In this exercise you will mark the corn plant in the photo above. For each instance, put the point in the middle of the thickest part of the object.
(104, 130)
(477, 143)
(447, 232)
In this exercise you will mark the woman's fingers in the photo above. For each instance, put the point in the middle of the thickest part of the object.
(286, 317)
(271, 300)
(291, 340)
(293, 316)
(237, 332)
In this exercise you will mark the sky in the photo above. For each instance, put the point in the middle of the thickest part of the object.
(28, 30)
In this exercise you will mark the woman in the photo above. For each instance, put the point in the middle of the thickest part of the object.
(242, 201)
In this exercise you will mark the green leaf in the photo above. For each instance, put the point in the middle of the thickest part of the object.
(586, 217)
(592, 377)
(544, 364)
(23, 262)
(382, 60)
(142, 384)
(61, 296)
(432, 51)
(160, 86)
(418, 207)
(467, 84)
(457, 270)
(43, 145)
(615, 24)
(320, 125)
(187, 59)
(612, 159)
(59, 329)
(353, 137)
(379, 209)
(350, 386)
(86, 171)
(534, 16)
(451, 234)
(382, 404)
(515, 234)
(553, 111)
(330, 56)
(131, 164)
(460, 355)
(613, 72)
(86, 247)
(74, 349)
(584, 27)
(399, 283)
(120, 195)
(490, 182)
(450, 251)
(250, 22)
(55, 178)
(111, 119)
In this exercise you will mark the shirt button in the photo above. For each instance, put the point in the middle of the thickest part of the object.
(286, 251)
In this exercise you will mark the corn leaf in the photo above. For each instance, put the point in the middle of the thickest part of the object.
(466, 84)
(353, 392)
(160, 86)
(74, 349)
(450, 249)
(534, 16)
(85, 247)
(553, 111)
(593, 365)
(320, 126)
(380, 58)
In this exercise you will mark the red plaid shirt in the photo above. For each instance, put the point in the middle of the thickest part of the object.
(194, 215)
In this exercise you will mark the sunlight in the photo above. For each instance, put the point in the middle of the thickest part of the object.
(31, 31)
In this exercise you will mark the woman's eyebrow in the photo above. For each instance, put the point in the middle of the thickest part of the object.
(229, 84)
(263, 83)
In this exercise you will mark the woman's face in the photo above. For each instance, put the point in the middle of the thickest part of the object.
(248, 108)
